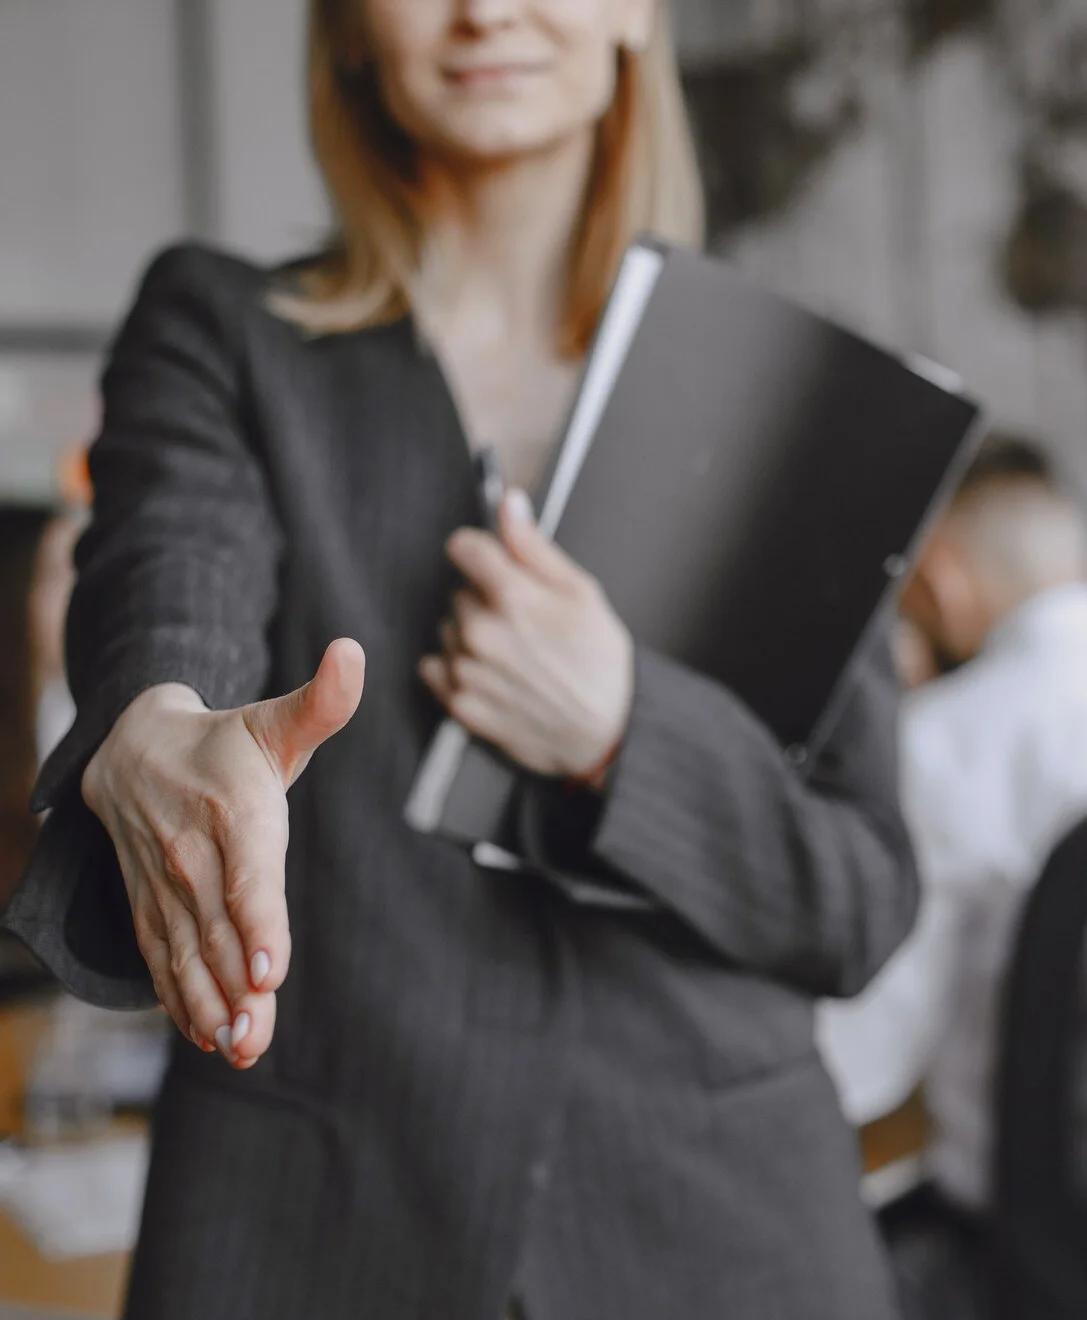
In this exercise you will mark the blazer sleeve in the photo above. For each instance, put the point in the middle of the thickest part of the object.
(806, 878)
(177, 579)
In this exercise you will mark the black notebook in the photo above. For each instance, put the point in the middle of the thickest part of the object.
(747, 482)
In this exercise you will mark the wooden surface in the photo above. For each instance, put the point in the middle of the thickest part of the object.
(92, 1287)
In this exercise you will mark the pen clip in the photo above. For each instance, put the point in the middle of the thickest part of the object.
(492, 486)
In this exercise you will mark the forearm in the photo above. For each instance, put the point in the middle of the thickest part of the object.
(177, 581)
(178, 570)
(809, 881)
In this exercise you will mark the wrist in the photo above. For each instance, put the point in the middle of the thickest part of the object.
(166, 697)
(129, 733)
(597, 775)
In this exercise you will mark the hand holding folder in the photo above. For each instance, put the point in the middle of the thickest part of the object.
(747, 482)
(535, 660)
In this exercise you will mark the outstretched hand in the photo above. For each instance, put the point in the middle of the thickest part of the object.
(195, 803)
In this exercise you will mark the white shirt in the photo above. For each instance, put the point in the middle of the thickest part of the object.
(994, 774)
(56, 711)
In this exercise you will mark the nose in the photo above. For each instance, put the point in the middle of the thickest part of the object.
(482, 14)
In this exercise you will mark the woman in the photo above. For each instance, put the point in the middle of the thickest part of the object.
(473, 1094)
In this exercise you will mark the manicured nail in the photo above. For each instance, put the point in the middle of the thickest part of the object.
(224, 1042)
(520, 505)
(194, 1035)
(241, 1029)
(259, 968)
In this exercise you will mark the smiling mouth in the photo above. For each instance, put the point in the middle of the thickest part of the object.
(491, 75)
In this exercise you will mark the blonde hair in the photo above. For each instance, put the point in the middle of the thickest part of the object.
(645, 179)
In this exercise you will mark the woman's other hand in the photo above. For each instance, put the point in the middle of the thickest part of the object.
(535, 660)
(195, 803)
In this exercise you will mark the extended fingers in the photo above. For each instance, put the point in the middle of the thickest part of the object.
(241, 1031)
(192, 877)
(253, 855)
(253, 1028)
(207, 1009)
(156, 953)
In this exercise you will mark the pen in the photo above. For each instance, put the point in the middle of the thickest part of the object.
(492, 487)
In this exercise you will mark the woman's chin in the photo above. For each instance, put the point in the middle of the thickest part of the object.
(501, 145)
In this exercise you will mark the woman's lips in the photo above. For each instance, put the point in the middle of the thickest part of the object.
(491, 75)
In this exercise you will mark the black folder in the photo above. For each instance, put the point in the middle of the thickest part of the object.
(748, 482)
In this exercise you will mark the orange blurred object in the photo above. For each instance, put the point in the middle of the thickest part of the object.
(74, 478)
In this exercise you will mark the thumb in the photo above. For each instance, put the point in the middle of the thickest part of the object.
(291, 728)
(521, 536)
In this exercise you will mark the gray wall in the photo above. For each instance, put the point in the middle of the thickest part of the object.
(124, 125)
(127, 123)
(101, 105)
(900, 231)
(90, 152)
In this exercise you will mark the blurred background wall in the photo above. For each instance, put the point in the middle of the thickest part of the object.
(916, 168)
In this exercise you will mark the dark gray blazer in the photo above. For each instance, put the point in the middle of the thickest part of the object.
(477, 1086)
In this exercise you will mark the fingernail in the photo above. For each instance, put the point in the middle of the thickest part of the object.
(259, 967)
(194, 1035)
(520, 505)
(241, 1029)
(223, 1040)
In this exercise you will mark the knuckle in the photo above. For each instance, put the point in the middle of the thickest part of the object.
(456, 666)
(176, 931)
(215, 939)
(146, 935)
(177, 863)
(180, 961)
(465, 709)
(505, 595)
(241, 884)
(460, 708)
(221, 812)
(260, 819)
(161, 987)
(468, 631)
(475, 635)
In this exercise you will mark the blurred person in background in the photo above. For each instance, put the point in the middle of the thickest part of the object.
(50, 592)
(22, 529)
(994, 775)
(474, 1093)
(36, 708)
(915, 656)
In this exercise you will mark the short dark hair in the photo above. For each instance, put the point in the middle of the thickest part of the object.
(1006, 456)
